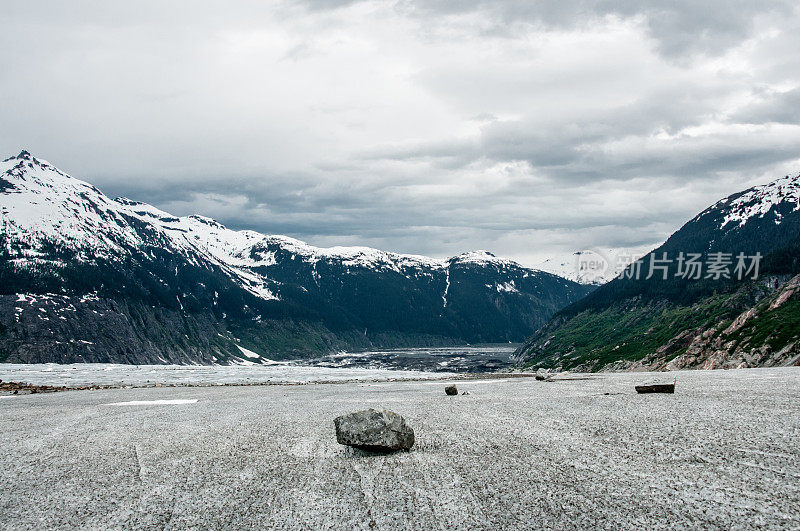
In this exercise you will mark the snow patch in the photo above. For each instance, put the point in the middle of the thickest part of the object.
(508, 287)
(248, 353)
(155, 402)
(446, 286)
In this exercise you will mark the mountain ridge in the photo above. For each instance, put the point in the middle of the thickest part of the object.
(278, 295)
(179, 223)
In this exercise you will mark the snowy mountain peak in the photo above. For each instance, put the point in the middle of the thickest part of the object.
(759, 201)
(25, 156)
(593, 266)
(480, 256)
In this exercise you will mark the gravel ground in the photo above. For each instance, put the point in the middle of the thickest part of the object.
(723, 452)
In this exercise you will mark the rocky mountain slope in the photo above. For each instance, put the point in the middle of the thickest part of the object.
(87, 278)
(681, 318)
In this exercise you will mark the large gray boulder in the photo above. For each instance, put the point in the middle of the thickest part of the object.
(374, 430)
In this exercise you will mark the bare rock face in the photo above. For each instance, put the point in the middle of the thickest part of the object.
(451, 390)
(374, 430)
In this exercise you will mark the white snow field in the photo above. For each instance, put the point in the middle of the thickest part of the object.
(722, 452)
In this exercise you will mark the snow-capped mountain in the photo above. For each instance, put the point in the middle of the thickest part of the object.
(674, 320)
(62, 238)
(594, 266)
(42, 204)
(767, 203)
(758, 219)
(761, 201)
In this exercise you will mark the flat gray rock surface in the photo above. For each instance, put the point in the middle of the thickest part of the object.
(723, 451)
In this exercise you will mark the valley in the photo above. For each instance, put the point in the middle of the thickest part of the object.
(87, 278)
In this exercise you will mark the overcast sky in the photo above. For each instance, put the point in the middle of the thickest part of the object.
(431, 127)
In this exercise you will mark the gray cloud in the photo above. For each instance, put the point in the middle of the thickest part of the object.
(679, 27)
(430, 127)
(643, 139)
(780, 107)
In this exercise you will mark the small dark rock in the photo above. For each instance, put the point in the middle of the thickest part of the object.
(451, 390)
